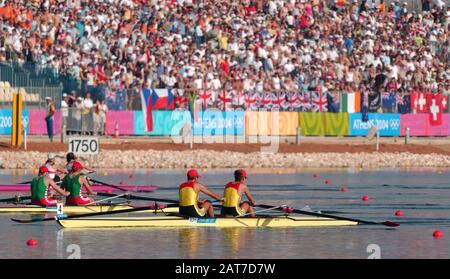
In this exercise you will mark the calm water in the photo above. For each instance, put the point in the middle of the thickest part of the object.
(422, 194)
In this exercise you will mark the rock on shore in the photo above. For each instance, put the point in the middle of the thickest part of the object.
(133, 159)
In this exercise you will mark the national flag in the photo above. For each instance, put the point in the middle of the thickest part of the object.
(204, 96)
(333, 102)
(404, 106)
(351, 102)
(293, 100)
(365, 106)
(435, 109)
(374, 101)
(146, 103)
(110, 96)
(193, 105)
(250, 100)
(276, 101)
(319, 100)
(239, 98)
(285, 104)
(388, 99)
(419, 102)
(163, 99)
(265, 101)
(444, 102)
(224, 100)
(305, 100)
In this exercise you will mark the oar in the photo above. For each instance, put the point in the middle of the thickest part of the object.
(262, 210)
(107, 184)
(84, 215)
(386, 223)
(110, 198)
(133, 197)
(17, 198)
(25, 182)
(59, 182)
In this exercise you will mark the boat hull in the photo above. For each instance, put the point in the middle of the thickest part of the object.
(173, 221)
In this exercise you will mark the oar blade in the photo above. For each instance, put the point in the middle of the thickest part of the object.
(390, 224)
(31, 220)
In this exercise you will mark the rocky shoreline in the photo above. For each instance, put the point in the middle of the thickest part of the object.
(207, 159)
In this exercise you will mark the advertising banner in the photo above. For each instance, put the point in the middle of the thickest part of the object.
(124, 121)
(419, 125)
(165, 123)
(37, 124)
(388, 124)
(212, 122)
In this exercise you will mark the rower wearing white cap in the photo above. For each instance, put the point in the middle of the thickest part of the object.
(53, 169)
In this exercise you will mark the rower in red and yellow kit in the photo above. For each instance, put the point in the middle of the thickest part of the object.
(189, 204)
(74, 182)
(232, 204)
(40, 186)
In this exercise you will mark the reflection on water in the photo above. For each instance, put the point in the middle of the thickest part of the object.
(421, 194)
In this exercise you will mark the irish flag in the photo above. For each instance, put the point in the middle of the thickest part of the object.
(351, 102)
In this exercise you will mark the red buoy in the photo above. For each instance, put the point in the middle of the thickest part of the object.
(365, 198)
(344, 189)
(121, 182)
(32, 242)
(315, 175)
(162, 206)
(399, 213)
(131, 176)
(437, 234)
(327, 181)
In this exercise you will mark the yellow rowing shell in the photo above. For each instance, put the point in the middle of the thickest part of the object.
(70, 209)
(221, 222)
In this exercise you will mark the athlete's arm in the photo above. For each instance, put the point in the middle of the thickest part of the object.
(249, 196)
(210, 193)
(62, 170)
(52, 184)
(86, 184)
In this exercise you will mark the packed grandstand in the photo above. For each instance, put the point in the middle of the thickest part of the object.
(295, 55)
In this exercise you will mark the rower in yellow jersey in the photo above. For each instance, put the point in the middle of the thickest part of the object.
(232, 204)
(189, 205)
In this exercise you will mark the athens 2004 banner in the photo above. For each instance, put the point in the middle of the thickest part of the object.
(211, 123)
(388, 124)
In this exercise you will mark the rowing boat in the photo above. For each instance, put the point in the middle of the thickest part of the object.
(96, 187)
(220, 222)
(74, 209)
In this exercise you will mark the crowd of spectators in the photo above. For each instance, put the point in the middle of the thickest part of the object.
(235, 46)
(83, 115)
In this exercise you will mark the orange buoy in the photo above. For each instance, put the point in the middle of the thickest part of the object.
(399, 213)
(32, 242)
(437, 234)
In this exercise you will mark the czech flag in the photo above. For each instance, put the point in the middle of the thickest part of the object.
(146, 101)
(163, 99)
